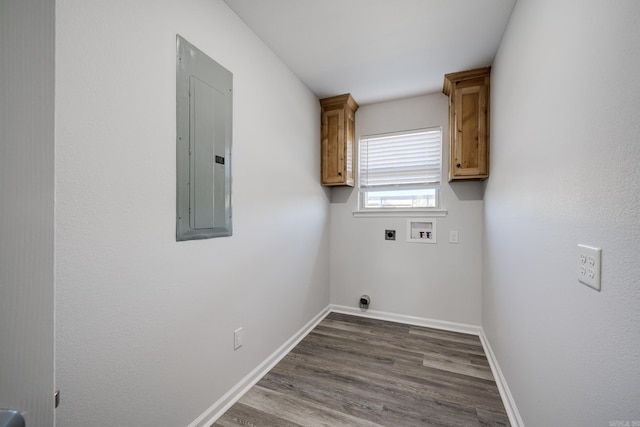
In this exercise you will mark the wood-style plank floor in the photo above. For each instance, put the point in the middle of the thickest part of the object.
(355, 371)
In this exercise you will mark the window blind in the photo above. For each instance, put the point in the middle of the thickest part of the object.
(401, 161)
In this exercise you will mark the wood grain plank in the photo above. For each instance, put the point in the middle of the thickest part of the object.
(445, 335)
(358, 371)
(306, 413)
(492, 419)
(244, 415)
(397, 383)
(456, 363)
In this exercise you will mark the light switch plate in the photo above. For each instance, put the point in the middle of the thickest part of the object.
(589, 266)
(453, 236)
(237, 338)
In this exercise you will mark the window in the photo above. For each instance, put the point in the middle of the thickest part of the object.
(400, 170)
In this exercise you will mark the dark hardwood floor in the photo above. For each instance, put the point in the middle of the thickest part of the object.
(354, 371)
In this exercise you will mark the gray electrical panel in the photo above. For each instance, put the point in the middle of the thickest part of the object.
(204, 92)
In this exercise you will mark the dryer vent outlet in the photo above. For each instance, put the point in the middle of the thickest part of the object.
(365, 301)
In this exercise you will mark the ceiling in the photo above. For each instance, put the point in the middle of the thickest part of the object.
(377, 50)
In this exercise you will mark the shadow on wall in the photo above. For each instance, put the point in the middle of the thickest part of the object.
(327, 193)
(341, 194)
(470, 190)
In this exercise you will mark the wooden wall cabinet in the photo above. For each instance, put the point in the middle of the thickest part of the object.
(338, 140)
(468, 93)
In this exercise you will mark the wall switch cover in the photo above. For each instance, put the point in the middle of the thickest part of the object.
(453, 236)
(237, 338)
(589, 266)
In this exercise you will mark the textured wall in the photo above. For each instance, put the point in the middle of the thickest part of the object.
(437, 281)
(565, 126)
(26, 209)
(145, 324)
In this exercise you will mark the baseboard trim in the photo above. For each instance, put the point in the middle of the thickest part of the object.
(409, 320)
(216, 410)
(507, 398)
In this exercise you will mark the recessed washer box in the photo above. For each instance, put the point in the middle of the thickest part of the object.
(421, 230)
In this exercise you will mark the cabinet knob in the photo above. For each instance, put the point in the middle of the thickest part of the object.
(339, 173)
(458, 165)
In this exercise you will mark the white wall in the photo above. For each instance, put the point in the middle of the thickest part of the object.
(26, 209)
(436, 281)
(145, 324)
(565, 151)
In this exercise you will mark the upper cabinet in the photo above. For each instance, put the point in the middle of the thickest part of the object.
(468, 93)
(338, 140)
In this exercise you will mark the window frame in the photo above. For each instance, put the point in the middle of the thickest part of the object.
(436, 211)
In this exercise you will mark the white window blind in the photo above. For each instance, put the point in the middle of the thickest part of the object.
(401, 161)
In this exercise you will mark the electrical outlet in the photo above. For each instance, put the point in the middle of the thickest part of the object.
(237, 338)
(589, 266)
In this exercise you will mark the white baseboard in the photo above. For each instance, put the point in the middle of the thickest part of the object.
(216, 410)
(507, 398)
(409, 320)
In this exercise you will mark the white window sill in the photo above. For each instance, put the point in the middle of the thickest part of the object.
(400, 213)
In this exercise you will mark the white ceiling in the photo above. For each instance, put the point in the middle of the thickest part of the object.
(378, 50)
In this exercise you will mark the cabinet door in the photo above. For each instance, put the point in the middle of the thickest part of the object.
(333, 147)
(469, 150)
(351, 136)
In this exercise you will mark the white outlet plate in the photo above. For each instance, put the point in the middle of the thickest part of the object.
(589, 266)
(237, 338)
